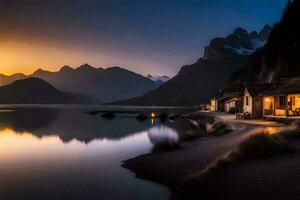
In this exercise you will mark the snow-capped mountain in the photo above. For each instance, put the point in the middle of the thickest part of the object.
(162, 79)
(240, 42)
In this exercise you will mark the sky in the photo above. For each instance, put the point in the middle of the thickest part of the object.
(153, 37)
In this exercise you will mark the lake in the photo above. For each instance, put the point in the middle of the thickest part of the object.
(62, 152)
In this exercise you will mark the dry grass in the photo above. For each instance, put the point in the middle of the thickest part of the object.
(259, 146)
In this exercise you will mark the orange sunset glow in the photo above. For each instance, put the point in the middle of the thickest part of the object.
(20, 57)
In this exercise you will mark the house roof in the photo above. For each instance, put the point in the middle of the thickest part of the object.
(286, 86)
(258, 89)
(228, 95)
(233, 99)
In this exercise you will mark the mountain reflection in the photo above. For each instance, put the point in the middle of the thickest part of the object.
(69, 124)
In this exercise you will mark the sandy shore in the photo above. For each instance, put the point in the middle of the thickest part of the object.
(276, 178)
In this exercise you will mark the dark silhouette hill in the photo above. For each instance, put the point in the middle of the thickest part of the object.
(98, 84)
(32, 91)
(93, 85)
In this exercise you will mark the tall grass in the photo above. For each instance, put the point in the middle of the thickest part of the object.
(256, 147)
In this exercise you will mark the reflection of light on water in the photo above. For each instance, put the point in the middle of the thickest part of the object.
(7, 111)
(161, 133)
(152, 121)
(16, 146)
(24, 146)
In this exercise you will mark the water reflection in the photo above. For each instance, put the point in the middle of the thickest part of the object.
(70, 124)
(66, 154)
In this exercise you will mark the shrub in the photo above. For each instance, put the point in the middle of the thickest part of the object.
(232, 110)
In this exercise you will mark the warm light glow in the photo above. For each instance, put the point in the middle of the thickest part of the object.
(267, 100)
(152, 115)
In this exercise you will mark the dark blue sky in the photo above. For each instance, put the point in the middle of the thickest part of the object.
(147, 36)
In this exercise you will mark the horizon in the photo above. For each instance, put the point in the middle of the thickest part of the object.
(85, 33)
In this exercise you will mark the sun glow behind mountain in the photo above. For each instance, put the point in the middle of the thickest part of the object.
(18, 57)
(144, 36)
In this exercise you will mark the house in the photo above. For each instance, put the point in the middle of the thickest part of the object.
(226, 101)
(213, 105)
(253, 98)
(283, 100)
(235, 103)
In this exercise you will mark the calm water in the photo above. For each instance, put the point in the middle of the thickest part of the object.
(63, 153)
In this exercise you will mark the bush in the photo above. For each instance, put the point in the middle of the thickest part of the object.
(232, 110)
(165, 146)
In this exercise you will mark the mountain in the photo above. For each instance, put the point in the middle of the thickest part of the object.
(280, 56)
(4, 80)
(196, 83)
(240, 42)
(96, 85)
(158, 79)
(32, 91)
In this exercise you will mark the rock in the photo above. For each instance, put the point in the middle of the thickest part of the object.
(108, 115)
(163, 117)
(173, 117)
(93, 113)
(141, 117)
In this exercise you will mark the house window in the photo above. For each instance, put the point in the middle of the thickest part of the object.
(282, 102)
(247, 101)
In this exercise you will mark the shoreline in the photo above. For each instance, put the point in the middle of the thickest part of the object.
(174, 169)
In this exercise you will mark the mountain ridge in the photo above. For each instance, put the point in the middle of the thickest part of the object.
(196, 83)
(96, 84)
